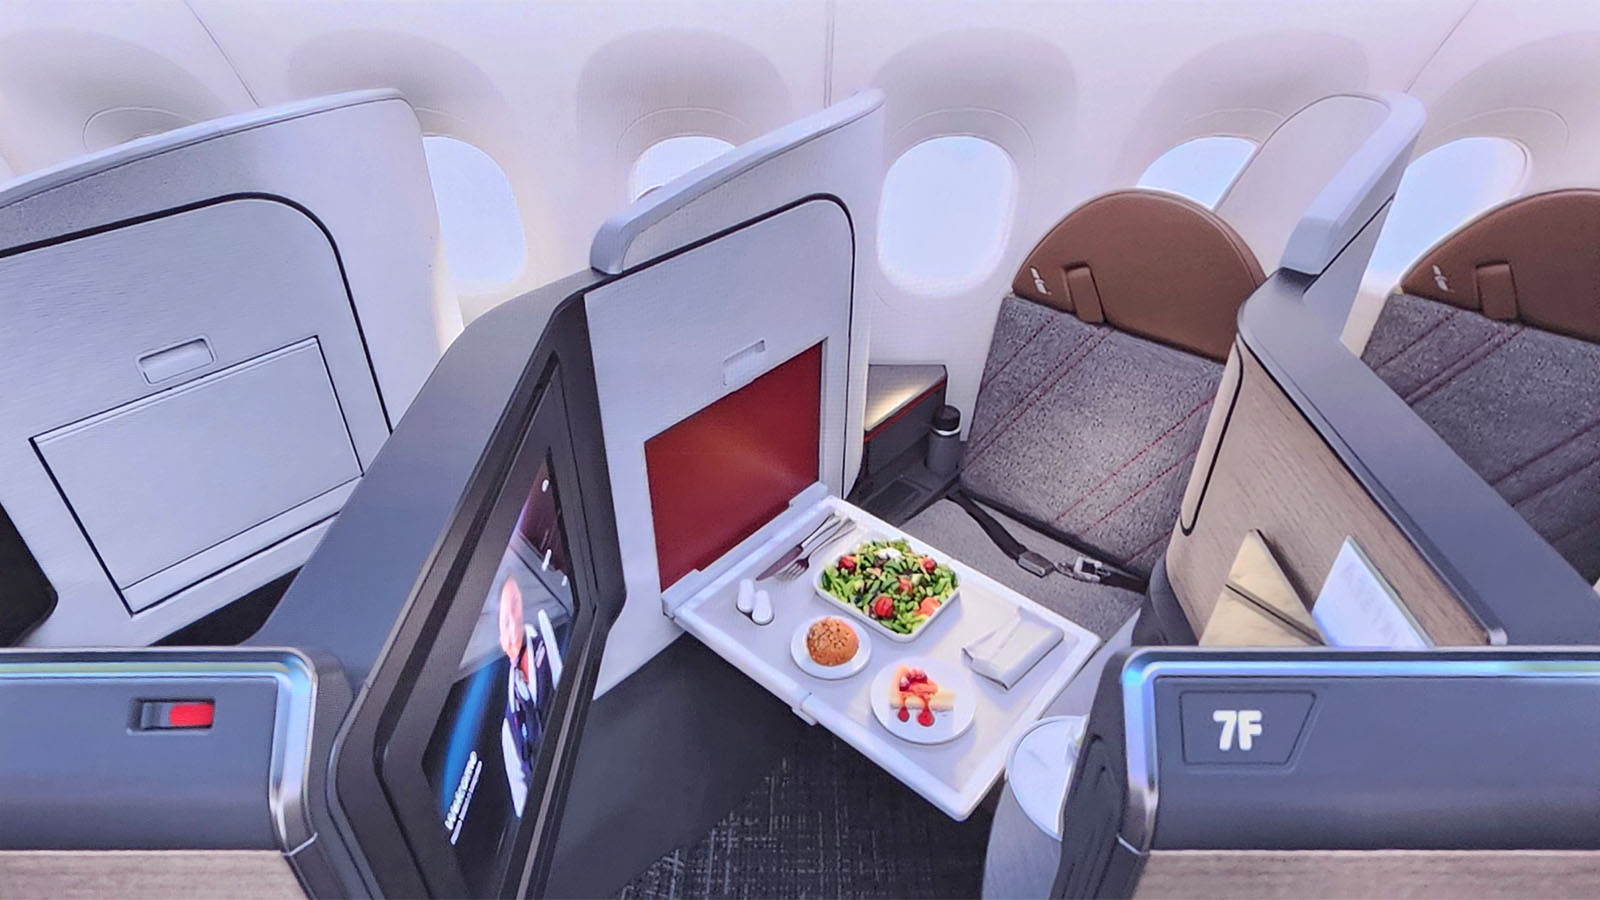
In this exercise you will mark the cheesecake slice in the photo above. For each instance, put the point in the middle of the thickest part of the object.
(912, 689)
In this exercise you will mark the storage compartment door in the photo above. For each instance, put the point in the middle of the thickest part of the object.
(225, 465)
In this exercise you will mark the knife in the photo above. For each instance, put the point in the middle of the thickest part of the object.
(793, 553)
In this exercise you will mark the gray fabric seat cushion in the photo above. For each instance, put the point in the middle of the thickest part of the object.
(1088, 429)
(949, 529)
(1521, 406)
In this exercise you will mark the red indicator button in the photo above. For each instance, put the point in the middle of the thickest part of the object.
(190, 715)
(166, 715)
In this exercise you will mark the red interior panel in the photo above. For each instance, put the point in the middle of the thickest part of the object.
(719, 475)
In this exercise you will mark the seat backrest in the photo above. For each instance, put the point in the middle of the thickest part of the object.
(208, 336)
(1090, 431)
(1126, 258)
(1166, 268)
(1532, 260)
(1494, 339)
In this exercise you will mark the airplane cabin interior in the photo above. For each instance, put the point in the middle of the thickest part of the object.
(805, 448)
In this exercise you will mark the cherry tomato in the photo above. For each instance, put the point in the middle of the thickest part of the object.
(927, 607)
(928, 565)
(905, 585)
(847, 563)
(883, 607)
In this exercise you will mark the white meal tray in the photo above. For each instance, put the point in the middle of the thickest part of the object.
(953, 776)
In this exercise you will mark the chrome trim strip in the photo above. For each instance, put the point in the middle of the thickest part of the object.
(1139, 743)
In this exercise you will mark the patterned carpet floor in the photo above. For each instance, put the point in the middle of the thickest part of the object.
(826, 823)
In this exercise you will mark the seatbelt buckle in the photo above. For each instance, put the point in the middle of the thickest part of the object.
(1035, 563)
(1089, 570)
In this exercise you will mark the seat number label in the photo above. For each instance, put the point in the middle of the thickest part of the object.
(1239, 726)
(1222, 727)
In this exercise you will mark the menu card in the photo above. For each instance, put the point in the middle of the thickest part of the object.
(1358, 608)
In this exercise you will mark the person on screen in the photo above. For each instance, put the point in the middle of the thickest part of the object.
(535, 669)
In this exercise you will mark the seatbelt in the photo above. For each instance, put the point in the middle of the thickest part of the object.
(1083, 568)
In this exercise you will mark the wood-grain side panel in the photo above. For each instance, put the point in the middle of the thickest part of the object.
(1273, 472)
(1416, 874)
(139, 874)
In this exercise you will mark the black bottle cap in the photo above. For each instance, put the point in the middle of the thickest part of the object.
(946, 418)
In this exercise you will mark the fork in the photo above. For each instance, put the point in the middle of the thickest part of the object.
(798, 567)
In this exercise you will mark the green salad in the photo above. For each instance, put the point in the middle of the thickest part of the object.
(895, 586)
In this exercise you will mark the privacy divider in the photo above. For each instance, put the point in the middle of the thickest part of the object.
(1308, 446)
(757, 254)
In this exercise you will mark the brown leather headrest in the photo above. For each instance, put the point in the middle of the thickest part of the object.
(1535, 260)
(1154, 264)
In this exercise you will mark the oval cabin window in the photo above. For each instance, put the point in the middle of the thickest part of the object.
(1201, 169)
(946, 214)
(1442, 190)
(480, 225)
(666, 160)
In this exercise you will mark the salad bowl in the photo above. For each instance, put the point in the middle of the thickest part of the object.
(917, 593)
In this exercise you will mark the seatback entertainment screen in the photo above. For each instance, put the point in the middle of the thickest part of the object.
(481, 757)
(717, 476)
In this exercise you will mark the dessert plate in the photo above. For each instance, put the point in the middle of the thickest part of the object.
(948, 724)
(802, 657)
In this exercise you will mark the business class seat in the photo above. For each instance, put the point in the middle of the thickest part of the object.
(1493, 338)
(216, 329)
(1108, 351)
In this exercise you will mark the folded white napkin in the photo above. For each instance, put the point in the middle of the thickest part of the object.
(1007, 653)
